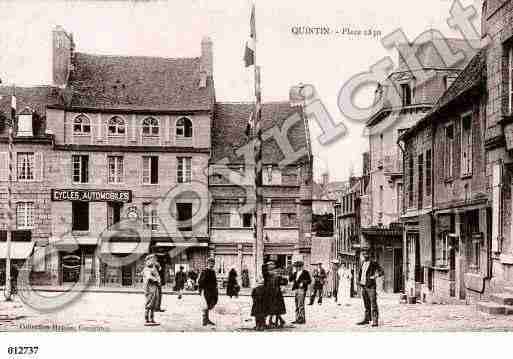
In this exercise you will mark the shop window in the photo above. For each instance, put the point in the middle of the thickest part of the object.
(115, 169)
(116, 126)
(113, 213)
(150, 217)
(466, 145)
(448, 151)
(442, 250)
(80, 168)
(184, 212)
(80, 216)
(184, 169)
(184, 128)
(150, 126)
(25, 166)
(150, 169)
(81, 125)
(247, 220)
(428, 172)
(25, 215)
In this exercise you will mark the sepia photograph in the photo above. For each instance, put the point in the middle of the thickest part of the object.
(255, 166)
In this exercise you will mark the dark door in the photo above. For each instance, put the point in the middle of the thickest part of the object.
(126, 276)
(71, 264)
(398, 270)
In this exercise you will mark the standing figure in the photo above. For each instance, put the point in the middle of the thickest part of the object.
(258, 309)
(319, 275)
(158, 267)
(151, 281)
(232, 288)
(369, 271)
(180, 279)
(207, 286)
(301, 280)
(344, 284)
(245, 278)
(276, 301)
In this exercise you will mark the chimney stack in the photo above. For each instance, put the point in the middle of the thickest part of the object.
(62, 52)
(207, 61)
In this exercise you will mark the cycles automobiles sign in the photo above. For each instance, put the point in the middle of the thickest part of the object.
(92, 195)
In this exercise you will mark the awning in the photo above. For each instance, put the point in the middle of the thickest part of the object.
(19, 250)
(125, 247)
(181, 244)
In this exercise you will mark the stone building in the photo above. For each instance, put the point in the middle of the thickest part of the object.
(406, 97)
(287, 187)
(447, 209)
(126, 142)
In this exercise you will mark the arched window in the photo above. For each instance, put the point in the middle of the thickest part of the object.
(150, 126)
(184, 127)
(116, 126)
(81, 124)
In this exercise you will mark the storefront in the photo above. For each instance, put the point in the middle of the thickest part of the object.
(122, 262)
(20, 251)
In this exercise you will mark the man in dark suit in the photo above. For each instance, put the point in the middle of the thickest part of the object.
(301, 280)
(319, 275)
(207, 285)
(369, 271)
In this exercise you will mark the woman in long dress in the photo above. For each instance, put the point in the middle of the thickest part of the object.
(151, 281)
(344, 284)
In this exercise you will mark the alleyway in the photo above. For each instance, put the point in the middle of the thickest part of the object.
(123, 312)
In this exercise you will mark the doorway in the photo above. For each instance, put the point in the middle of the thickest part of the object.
(398, 270)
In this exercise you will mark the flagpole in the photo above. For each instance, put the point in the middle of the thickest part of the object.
(10, 213)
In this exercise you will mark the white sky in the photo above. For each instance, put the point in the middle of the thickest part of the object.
(175, 29)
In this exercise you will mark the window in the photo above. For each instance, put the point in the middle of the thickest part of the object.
(406, 94)
(24, 215)
(410, 182)
(80, 168)
(220, 219)
(25, 166)
(80, 216)
(399, 198)
(247, 220)
(420, 188)
(150, 217)
(184, 127)
(116, 126)
(381, 199)
(115, 169)
(268, 175)
(150, 126)
(184, 211)
(289, 220)
(471, 231)
(150, 169)
(113, 213)
(448, 151)
(466, 145)
(510, 79)
(428, 172)
(445, 82)
(82, 125)
(183, 170)
(442, 250)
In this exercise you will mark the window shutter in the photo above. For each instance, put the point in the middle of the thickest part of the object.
(39, 166)
(38, 259)
(425, 237)
(496, 205)
(484, 255)
(4, 166)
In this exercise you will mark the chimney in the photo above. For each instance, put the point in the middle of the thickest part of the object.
(62, 52)
(207, 61)
(325, 179)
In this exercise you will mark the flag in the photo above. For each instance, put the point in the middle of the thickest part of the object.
(249, 125)
(249, 52)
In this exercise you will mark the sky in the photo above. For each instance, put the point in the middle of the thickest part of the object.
(175, 29)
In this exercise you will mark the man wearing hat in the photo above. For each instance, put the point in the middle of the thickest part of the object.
(207, 285)
(369, 271)
(319, 275)
(300, 279)
(151, 281)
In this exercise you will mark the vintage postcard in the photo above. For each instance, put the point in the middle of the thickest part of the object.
(255, 166)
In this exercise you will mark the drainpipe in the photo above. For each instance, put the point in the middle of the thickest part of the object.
(405, 254)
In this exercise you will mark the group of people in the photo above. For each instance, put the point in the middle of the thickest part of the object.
(268, 301)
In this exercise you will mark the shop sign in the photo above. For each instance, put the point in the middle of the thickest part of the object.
(92, 195)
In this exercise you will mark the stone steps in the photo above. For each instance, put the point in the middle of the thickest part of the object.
(502, 298)
(491, 308)
(499, 303)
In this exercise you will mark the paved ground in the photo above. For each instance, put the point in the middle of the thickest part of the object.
(123, 312)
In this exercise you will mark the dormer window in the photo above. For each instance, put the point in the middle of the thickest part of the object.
(150, 126)
(81, 125)
(25, 123)
(116, 126)
(184, 127)
(406, 94)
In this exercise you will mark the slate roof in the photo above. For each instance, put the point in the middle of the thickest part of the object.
(470, 78)
(35, 97)
(138, 82)
(229, 125)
